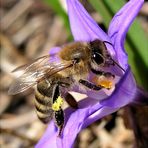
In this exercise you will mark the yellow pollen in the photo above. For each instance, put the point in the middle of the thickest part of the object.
(57, 104)
(106, 84)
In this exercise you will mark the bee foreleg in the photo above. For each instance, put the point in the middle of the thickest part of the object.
(106, 74)
(90, 85)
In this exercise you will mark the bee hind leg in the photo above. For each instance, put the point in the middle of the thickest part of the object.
(59, 119)
(57, 108)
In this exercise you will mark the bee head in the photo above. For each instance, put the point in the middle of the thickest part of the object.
(97, 54)
(97, 58)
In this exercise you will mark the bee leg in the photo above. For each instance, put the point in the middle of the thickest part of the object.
(59, 120)
(58, 112)
(90, 85)
(106, 74)
(71, 101)
(56, 93)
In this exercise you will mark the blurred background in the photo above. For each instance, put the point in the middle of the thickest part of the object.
(29, 28)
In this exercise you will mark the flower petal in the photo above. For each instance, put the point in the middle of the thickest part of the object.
(83, 27)
(54, 50)
(119, 27)
(124, 93)
(75, 123)
(48, 139)
(98, 114)
(90, 111)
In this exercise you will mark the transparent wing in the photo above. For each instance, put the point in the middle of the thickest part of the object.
(31, 65)
(38, 70)
(19, 86)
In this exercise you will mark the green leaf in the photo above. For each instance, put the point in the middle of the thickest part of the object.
(58, 9)
(99, 6)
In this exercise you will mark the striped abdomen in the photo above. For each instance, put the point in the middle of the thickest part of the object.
(43, 102)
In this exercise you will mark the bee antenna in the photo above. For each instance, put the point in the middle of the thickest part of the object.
(114, 62)
(111, 58)
(108, 43)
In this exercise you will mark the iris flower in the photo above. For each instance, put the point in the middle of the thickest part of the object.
(98, 103)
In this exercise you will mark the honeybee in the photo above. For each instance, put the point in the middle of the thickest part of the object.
(53, 79)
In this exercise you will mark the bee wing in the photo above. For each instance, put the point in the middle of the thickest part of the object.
(19, 86)
(41, 69)
(31, 65)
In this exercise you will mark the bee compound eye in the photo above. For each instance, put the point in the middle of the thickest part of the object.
(97, 58)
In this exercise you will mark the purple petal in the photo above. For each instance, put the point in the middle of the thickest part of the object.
(104, 111)
(48, 139)
(54, 50)
(74, 124)
(83, 27)
(90, 112)
(119, 27)
(124, 93)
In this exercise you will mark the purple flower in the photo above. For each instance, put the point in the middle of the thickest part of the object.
(84, 28)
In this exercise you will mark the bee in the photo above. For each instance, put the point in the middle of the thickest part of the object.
(54, 78)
